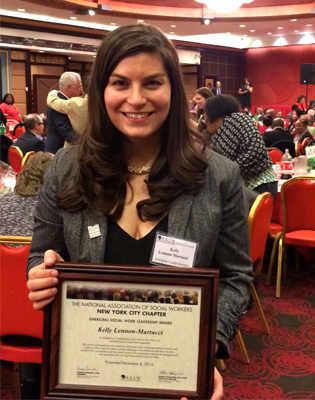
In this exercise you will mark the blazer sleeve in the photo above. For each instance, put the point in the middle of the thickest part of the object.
(232, 255)
(48, 221)
(65, 106)
(64, 126)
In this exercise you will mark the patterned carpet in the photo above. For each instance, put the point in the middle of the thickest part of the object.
(282, 364)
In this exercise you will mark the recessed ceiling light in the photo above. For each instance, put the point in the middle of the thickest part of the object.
(94, 56)
(73, 17)
(294, 19)
(252, 30)
(91, 12)
(228, 33)
(41, 51)
(242, 26)
(69, 58)
(140, 20)
(173, 26)
(113, 23)
(244, 35)
(280, 27)
(269, 33)
(21, 9)
(296, 30)
(207, 21)
(172, 33)
(35, 38)
(308, 24)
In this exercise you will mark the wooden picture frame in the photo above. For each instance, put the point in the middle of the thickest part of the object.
(185, 295)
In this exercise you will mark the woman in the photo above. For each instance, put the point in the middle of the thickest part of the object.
(201, 96)
(17, 208)
(301, 102)
(9, 109)
(138, 169)
(295, 116)
(237, 137)
(245, 91)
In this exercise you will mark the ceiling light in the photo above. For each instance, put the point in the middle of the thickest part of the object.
(113, 23)
(207, 21)
(69, 58)
(223, 6)
(242, 26)
(296, 30)
(280, 27)
(172, 33)
(91, 12)
(308, 24)
(244, 35)
(307, 39)
(269, 33)
(293, 20)
(140, 20)
(41, 51)
(173, 26)
(73, 17)
(252, 30)
(228, 33)
(94, 56)
(21, 9)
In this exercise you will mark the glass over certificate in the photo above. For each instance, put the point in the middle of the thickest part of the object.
(130, 332)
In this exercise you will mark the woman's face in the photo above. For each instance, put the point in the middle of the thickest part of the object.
(303, 100)
(200, 101)
(138, 96)
(246, 82)
(294, 115)
(9, 99)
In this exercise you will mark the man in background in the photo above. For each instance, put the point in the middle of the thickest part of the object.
(276, 134)
(32, 139)
(60, 129)
(217, 90)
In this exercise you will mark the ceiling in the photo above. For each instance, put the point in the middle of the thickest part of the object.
(262, 19)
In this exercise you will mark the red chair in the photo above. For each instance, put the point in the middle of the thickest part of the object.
(258, 226)
(15, 157)
(19, 322)
(298, 149)
(275, 154)
(27, 157)
(305, 143)
(275, 232)
(19, 131)
(297, 196)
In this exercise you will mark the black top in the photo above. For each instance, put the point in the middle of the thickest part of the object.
(245, 97)
(121, 248)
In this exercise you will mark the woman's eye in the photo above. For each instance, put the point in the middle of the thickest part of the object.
(153, 83)
(119, 83)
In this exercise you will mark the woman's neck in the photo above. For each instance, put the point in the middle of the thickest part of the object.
(141, 152)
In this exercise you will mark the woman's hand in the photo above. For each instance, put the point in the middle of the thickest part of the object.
(41, 281)
(218, 387)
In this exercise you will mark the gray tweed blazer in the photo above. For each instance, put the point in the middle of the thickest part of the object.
(215, 218)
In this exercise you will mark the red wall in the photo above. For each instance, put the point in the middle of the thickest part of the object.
(275, 73)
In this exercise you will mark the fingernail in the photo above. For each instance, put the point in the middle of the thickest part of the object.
(54, 291)
(49, 260)
(55, 281)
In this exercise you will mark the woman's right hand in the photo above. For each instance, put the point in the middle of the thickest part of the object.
(41, 281)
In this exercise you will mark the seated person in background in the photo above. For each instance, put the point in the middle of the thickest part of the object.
(279, 114)
(267, 123)
(300, 131)
(259, 114)
(201, 96)
(9, 108)
(308, 120)
(246, 110)
(296, 114)
(75, 107)
(290, 115)
(32, 139)
(277, 133)
(311, 113)
(301, 103)
(238, 139)
(17, 208)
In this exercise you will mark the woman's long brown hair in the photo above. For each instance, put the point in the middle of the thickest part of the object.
(102, 175)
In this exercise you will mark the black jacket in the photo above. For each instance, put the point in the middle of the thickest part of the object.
(271, 137)
(29, 142)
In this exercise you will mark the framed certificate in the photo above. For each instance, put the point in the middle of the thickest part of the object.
(130, 332)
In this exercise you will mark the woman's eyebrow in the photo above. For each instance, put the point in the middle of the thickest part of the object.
(153, 76)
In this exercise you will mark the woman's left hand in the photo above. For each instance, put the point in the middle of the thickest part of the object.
(218, 387)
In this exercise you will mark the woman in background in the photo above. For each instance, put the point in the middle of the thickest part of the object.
(201, 96)
(296, 114)
(9, 109)
(245, 91)
(17, 208)
(301, 102)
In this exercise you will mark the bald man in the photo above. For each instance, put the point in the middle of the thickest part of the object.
(217, 89)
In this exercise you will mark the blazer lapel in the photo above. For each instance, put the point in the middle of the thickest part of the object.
(178, 215)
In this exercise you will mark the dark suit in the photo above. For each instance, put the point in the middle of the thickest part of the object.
(29, 142)
(271, 137)
(59, 129)
(215, 91)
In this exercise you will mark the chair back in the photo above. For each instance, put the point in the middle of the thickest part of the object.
(15, 157)
(18, 316)
(19, 131)
(275, 154)
(305, 143)
(285, 144)
(27, 157)
(258, 225)
(299, 149)
(297, 196)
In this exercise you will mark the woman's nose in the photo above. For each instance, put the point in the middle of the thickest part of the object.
(136, 96)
